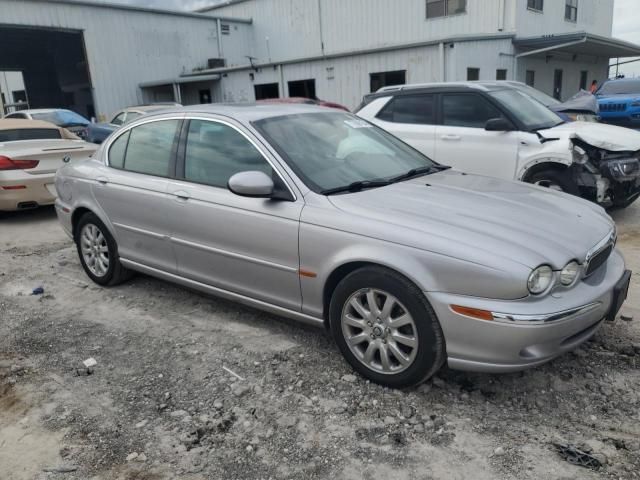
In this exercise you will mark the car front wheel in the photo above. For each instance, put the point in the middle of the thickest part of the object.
(385, 328)
(554, 180)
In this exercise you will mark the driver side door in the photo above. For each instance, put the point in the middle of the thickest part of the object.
(463, 143)
(243, 245)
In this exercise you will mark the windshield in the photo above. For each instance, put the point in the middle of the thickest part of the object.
(62, 118)
(543, 98)
(333, 150)
(531, 113)
(620, 87)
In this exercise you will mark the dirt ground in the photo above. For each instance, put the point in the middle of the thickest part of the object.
(192, 387)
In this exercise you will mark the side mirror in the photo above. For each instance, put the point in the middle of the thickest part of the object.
(252, 184)
(498, 125)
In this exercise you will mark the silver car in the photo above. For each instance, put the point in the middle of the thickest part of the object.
(320, 216)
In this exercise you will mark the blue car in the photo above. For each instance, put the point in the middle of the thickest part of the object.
(619, 101)
(98, 132)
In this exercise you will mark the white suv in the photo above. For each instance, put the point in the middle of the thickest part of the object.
(494, 129)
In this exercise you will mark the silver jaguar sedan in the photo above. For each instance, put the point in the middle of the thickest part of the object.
(319, 216)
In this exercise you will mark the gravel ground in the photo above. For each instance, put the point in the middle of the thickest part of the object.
(192, 387)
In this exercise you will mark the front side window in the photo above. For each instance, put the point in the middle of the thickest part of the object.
(444, 8)
(215, 152)
(416, 109)
(537, 5)
(571, 10)
(148, 150)
(467, 110)
(333, 150)
(529, 111)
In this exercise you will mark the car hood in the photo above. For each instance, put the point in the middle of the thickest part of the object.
(475, 218)
(582, 101)
(600, 135)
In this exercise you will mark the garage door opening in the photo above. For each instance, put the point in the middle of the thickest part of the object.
(53, 64)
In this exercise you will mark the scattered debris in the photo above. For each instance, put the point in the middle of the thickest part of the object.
(626, 317)
(61, 469)
(90, 362)
(38, 291)
(573, 455)
(232, 373)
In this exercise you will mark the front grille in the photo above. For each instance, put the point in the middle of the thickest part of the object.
(599, 259)
(613, 107)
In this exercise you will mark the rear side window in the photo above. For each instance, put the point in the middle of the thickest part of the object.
(467, 110)
(215, 152)
(416, 109)
(29, 134)
(148, 150)
(118, 150)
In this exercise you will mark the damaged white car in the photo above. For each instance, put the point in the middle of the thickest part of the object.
(493, 129)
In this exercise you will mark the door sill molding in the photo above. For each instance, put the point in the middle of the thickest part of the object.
(219, 292)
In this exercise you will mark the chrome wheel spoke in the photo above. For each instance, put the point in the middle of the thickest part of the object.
(401, 321)
(387, 308)
(370, 352)
(373, 306)
(398, 354)
(354, 322)
(358, 339)
(404, 339)
(359, 308)
(384, 358)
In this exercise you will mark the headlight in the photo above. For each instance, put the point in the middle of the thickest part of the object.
(579, 155)
(540, 279)
(569, 273)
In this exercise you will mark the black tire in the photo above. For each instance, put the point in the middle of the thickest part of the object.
(116, 273)
(430, 354)
(555, 177)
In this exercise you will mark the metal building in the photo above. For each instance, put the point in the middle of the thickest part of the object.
(95, 58)
(339, 50)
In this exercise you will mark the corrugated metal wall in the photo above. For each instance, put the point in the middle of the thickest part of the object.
(123, 47)
(594, 16)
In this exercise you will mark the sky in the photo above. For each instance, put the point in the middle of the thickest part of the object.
(626, 19)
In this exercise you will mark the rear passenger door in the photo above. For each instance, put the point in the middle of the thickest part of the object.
(412, 119)
(240, 244)
(463, 143)
(132, 191)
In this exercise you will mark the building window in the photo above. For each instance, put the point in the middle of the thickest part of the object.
(501, 74)
(583, 79)
(571, 10)
(266, 90)
(530, 78)
(444, 8)
(536, 5)
(303, 88)
(473, 74)
(387, 79)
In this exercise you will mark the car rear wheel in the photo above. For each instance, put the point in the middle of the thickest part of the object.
(98, 252)
(385, 328)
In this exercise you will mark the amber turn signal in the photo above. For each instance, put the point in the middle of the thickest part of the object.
(472, 312)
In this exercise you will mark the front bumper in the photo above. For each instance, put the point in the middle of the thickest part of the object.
(566, 318)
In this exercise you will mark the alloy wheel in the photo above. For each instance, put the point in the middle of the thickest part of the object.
(379, 331)
(95, 251)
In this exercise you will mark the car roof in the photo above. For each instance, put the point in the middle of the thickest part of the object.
(42, 110)
(471, 85)
(623, 80)
(248, 112)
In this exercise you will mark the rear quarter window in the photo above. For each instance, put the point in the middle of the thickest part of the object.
(29, 134)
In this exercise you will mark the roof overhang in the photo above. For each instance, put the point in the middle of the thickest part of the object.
(580, 43)
(180, 80)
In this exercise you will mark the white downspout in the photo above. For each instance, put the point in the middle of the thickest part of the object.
(443, 75)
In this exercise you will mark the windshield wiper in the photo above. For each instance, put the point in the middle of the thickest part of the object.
(414, 172)
(356, 186)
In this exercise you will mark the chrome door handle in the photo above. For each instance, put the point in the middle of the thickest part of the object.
(182, 195)
(450, 137)
(102, 180)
